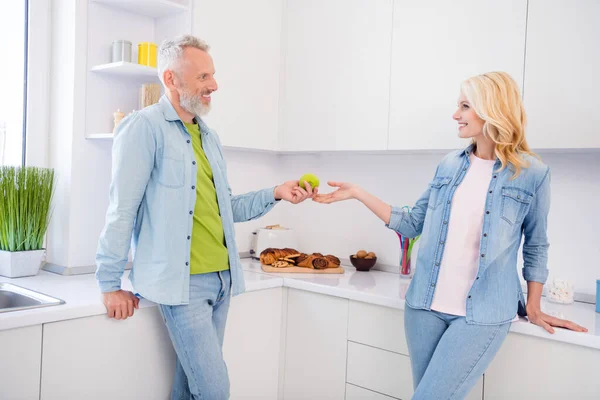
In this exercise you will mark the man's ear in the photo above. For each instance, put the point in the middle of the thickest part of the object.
(169, 79)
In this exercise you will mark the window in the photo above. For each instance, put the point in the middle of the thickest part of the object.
(13, 73)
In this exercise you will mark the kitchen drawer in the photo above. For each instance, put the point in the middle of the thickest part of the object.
(379, 370)
(358, 393)
(387, 372)
(377, 326)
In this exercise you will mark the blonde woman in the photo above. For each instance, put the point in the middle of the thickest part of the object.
(466, 292)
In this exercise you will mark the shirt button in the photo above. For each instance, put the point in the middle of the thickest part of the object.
(191, 212)
(187, 263)
(448, 202)
(518, 197)
(445, 222)
(188, 141)
(485, 235)
(477, 277)
(490, 191)
(193, 162)
(433, 285)
(483, 255)
(189, 237)
(464, 169)
(469, 296)
(437, 264)
(193, 187)
(487, 212)
(495, 176)
(441, 242)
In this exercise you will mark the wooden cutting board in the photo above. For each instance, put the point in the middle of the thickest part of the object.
(302, 270)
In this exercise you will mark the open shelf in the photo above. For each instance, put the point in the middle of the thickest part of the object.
(149, 8)
(100, 136)
(127, 69)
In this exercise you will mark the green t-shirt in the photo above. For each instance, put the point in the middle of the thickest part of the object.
(208, 253)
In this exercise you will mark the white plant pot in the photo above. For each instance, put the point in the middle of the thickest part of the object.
(14, 264)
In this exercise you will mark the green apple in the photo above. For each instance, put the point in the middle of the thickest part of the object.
(311, 179)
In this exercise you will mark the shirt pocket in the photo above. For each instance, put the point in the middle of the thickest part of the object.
(515, 205)
(437, 188)
(171, 171)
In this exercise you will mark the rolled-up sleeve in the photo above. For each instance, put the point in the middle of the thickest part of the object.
(535, 230)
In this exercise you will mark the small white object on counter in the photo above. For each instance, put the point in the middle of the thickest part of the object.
(560, 291)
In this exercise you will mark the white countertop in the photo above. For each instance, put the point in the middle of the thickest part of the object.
(388, 289)
(82, 297)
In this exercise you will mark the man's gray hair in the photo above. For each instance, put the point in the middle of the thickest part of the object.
(171, 51)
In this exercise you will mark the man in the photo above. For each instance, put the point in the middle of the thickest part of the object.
(170, 193)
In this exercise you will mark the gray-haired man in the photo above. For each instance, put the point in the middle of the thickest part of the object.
(170, 191)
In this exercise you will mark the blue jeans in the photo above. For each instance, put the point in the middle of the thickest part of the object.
(447, 355)
(197, 330)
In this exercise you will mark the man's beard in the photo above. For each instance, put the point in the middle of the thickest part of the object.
(193, 104)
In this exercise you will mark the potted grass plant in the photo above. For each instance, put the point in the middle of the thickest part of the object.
(24, 217)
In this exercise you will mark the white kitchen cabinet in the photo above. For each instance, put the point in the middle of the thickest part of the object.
(436, 45)
(252, 347)
(561, 74)
(20, 362)
(358, 393)
(530, 368)
(387, 372)
(100, 358)
(336, 74)
(245, 40)
(379, 370)
(377, 326)
(316, 341)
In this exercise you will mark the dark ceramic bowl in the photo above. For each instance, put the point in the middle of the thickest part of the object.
(363, 264)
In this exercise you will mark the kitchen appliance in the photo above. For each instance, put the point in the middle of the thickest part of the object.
(275, 237)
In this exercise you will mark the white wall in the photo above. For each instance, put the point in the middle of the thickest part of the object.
(344, 228)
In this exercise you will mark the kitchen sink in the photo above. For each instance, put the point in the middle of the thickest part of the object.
(15, 298)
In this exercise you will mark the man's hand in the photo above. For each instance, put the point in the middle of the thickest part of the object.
(292, 192)
(120, 304)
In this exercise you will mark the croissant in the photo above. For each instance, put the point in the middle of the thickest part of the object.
(269, 256)
(333, 261)
(307, 262)
(320, 263)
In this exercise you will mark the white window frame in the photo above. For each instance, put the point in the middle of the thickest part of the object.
(38, 84)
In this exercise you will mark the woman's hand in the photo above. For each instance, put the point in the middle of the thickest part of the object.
(345, 191)
(536, 316)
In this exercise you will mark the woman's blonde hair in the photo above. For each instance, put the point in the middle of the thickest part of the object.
(495, 98)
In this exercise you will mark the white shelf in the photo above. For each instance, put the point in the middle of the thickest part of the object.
(100, 136)
(149, 8)
(127, 69)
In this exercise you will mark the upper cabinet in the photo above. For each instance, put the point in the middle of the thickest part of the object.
(436, 45)
(562, 83)
(336, 74)
(245, 40)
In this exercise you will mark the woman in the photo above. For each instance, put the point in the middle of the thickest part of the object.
(466, 292)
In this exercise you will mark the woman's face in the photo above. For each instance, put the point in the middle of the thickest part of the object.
(469, 123)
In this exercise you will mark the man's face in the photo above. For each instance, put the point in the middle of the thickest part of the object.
(194, 81)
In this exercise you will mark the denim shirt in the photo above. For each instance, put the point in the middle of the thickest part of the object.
(152, 198)
(514, 208)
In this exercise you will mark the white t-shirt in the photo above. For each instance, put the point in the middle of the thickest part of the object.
(460, 261)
